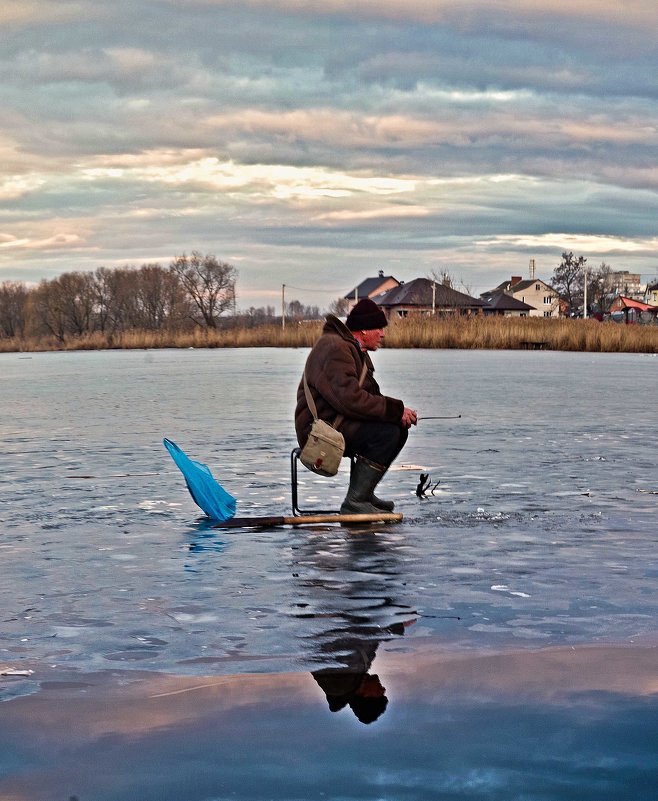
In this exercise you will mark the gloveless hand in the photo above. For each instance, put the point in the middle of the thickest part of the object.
(409, 417)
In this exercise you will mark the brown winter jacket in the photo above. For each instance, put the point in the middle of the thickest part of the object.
(333, 369)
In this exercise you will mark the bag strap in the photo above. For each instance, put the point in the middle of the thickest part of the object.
(311, 402)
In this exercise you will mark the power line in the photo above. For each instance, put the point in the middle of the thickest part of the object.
(306, 289)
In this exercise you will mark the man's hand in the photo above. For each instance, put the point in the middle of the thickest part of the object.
(409, 417)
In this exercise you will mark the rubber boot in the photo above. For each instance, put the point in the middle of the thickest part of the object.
(364, 478)
(380, 503)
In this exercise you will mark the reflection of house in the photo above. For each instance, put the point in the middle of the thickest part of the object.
(425, 297)
(651, 294)
(533, 291)
(370, 287)
(501, 304)
(628, 310)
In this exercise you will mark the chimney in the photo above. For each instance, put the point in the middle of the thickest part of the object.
(381, 273)
(532, 269)
(516, 279)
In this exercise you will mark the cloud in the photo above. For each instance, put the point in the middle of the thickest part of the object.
(391, 212)
(633, 12)
(54, 242)
(36, 12)
(581, 243)
(299, 133)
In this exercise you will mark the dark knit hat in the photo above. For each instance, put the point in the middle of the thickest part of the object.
(365, 316)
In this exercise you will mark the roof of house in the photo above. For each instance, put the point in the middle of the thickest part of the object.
(419, 293)
(365, 288)
(629, 303)
(500, 300)
(522, 285)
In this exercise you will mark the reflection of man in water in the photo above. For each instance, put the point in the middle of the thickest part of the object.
(353, 685)
(351, 585)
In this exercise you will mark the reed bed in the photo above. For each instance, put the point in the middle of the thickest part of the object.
(496, 333)
(266, 336)
(512, 333)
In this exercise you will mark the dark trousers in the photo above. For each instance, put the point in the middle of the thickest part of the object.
(377, 442)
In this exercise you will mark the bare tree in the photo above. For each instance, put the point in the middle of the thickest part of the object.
(160, 297)
(13, 308)
(76, 295)
(339, 307)
(64, 306)
(599, 288)
(209, 285)
(568, 278)
(109, 299)
(48, 314)
(296, 310)
(444, 277)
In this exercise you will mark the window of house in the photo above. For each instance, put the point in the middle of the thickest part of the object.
(547, 314)
(548, 299)
(402, 312)
(537, 287)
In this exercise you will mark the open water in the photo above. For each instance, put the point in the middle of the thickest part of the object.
(535, 544)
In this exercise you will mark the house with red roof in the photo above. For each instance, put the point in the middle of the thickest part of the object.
(628, 310)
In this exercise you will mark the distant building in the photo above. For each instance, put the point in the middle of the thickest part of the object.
(626, 284)
(424, 297)
(370, 287)
(542, 298)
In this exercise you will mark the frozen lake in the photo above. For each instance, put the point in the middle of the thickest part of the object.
(538, 531)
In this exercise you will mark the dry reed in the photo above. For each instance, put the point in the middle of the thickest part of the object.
(416, 332)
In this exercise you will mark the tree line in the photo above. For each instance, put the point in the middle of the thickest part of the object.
(192, 291)
(199, 291)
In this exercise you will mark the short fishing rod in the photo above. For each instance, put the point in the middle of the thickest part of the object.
(446, 417)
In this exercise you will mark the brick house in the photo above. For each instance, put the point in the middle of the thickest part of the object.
(369, 288)
(425, 297)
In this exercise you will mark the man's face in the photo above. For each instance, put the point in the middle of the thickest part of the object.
(372, 339)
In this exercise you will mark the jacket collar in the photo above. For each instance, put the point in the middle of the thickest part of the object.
(334, 324)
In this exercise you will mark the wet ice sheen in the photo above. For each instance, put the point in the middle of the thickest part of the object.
(536, 530)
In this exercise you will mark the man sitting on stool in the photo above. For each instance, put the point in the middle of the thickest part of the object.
(375, 426)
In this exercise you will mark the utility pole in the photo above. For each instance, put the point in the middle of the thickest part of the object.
(585, 296)
(283, 307)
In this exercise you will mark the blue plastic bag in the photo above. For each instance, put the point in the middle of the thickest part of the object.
(205, 490)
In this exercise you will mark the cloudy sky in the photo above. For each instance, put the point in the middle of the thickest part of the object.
(313, 142)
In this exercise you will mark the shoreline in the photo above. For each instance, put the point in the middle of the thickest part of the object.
(474, 333)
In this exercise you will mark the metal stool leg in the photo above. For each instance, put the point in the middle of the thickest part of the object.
(297, 512)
